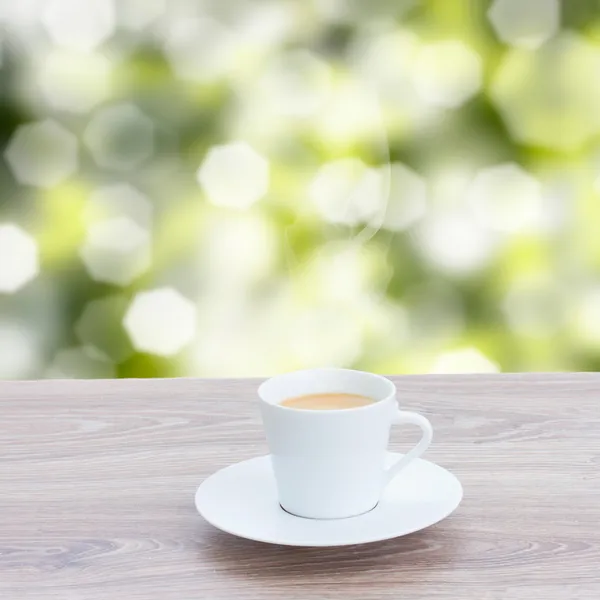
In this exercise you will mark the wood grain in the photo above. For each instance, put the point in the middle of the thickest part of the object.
(97, 482)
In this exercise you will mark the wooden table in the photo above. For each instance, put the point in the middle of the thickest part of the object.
(97, 481)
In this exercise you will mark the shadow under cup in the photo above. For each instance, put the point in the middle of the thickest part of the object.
(328, 464)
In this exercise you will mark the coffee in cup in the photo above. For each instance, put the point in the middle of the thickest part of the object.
(327, 401)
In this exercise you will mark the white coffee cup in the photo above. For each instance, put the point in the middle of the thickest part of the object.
(330, 464)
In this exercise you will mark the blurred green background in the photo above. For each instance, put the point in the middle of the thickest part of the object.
(248, 187)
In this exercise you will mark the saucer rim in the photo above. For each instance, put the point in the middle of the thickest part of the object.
(325, 543)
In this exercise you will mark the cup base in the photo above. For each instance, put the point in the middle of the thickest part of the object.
(289, 512)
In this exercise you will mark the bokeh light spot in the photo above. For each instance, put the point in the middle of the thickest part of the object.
(80, 363)
(295, 84)
(119, 200)
(234, 175)
(347, 192)
(586, 319)
(120, 137)
(344, 272)
(18, 258)
(74, 81)
(260, 26)
(161, 322)
(447, 73)
(464, 360)
(116, 251)
(200, 49)
(79, 25)
(136, 15)
(387, 62)
(455, 243)
(325, 336)
(526, 24)
(19, 350)
(42, 154)
(350, 114)
(506, 198)
(407, 201)
(550, 97)
(240, 250)
(20, 25)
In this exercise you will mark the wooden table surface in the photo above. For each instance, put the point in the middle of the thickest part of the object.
(97, 481)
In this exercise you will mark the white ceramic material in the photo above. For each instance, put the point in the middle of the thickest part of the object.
(329, 464)
(242, 500)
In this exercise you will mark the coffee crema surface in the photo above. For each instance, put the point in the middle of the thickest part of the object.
(327, 401)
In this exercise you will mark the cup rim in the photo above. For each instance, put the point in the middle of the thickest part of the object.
(388, 382)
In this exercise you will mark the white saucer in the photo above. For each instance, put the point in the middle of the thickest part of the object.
(242, 500)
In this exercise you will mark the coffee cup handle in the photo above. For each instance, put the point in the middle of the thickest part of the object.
(412, 418)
